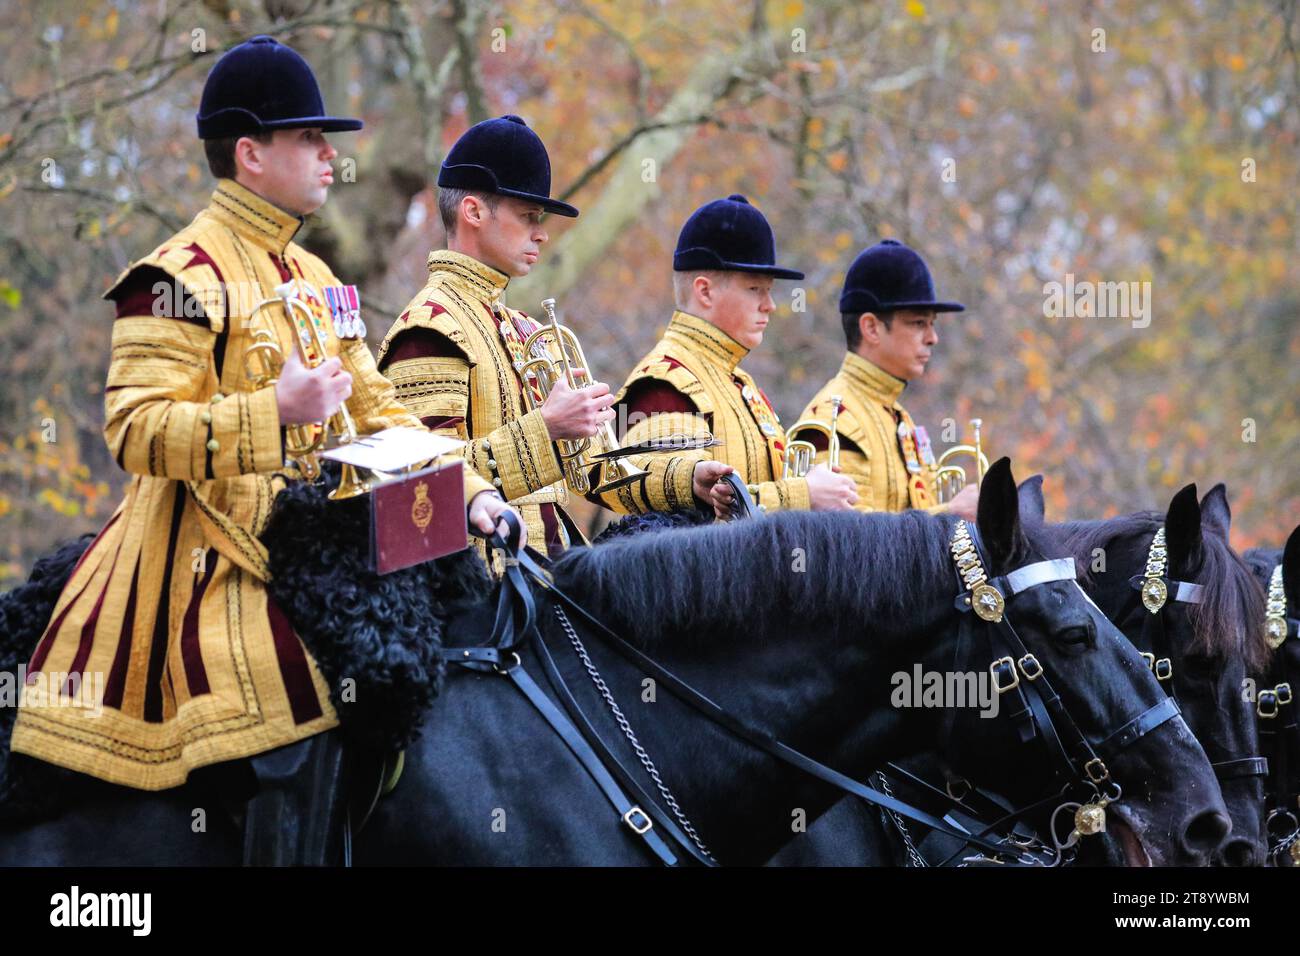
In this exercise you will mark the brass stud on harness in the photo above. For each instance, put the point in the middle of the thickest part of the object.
(1154, 590)
(988, 602)
(1275, 628)
(1090, 819)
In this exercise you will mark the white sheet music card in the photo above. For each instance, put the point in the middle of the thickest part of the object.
(393, 449)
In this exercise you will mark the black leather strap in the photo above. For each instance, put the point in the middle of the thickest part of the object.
(758, 738)
(1243, 767)
(585, 727)
(1048, 709)
(640, 824)
(516, 610)
(515, 624)
(1038, 696)
(992, 803)
(742, 504)
(1142, 724)
(512, 636)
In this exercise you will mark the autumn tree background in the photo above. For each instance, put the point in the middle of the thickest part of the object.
(1011, 143)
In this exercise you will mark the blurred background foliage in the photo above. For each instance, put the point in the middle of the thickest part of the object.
(1011, 143)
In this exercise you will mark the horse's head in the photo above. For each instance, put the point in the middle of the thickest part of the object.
(1278, 572)
(1190, 606)
(1114, 727)
(1289, 650)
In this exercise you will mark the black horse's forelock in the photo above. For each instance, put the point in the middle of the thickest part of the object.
(1229, 619)
(376, 638)
(868, 568)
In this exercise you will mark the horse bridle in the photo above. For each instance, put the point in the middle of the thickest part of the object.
(1041, 714)
(516, 625)
(1158, 591)
(1278, 721)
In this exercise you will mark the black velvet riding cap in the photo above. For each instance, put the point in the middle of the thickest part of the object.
(729, 235)
(890, 276)
(263, 85)
(503, 156)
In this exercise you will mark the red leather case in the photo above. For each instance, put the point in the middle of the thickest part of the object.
(418, 518)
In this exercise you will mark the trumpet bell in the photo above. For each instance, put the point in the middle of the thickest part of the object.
(799, 457)
(800, 454)
(351, 485)
(950, 478)
(617, 473)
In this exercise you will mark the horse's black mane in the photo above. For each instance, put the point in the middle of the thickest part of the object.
(1228, 621)
(741, 579)
(631, 525)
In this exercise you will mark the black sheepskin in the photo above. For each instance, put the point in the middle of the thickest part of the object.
(29, 788)
(382, 632)
(652, 521)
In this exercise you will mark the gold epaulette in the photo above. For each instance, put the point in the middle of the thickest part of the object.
(178, 259)
(674, 373)
(432, 309)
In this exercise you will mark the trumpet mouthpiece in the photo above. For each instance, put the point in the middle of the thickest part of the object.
(548, 303)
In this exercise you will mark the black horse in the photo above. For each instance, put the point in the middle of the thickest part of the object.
(1273, 697)
(1200, 650)
(788, 625)
(1203, 652)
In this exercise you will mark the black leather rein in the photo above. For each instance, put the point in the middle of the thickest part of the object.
(516, 625)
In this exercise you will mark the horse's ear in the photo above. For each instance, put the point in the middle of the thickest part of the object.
(1183, 528)
(998, 517)
(1291, 568)
(1031, 502)
(1216, 516)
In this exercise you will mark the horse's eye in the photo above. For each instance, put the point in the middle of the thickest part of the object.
(1077, 636)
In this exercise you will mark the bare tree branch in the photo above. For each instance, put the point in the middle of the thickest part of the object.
(630, 187)
(172, 223)
(469, 16)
